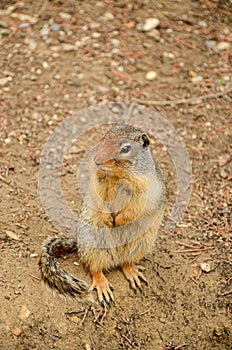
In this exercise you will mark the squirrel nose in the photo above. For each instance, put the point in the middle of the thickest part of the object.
(103, 153)
(98, 163)
(97, 160)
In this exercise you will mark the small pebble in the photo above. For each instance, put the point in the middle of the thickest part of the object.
(120, 69)
(210, 43)
(45, 30)
(100, 4)
(148, 45)
(31, 44)
(3, 24)
(196, 79)
(202, 24)
(116, 51)
(168, 55)
(34, 255)
(205, 267)
(17, 331)
(74, 319)
(37, 117)
(154, 33)
(108, 16)
(115, 42)
(150, 23)
(4, 32)
(94, 25)
(115, 33)
(102, 88)
(65, 15)
(152, 75)
(4, 81)
(130, 25)
(24, 25)
(223, 174)
(192, 73)
(223, 46)
(96, 35)
(55, 27)
(96, 46)
(226, 78)
(68, 47)
(24, 313)
(45, 65)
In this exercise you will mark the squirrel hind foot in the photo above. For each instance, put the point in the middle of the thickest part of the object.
(134, 275)
(103, 287)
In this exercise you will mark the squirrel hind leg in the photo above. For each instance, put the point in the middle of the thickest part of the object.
(134, 275)
(103, 287)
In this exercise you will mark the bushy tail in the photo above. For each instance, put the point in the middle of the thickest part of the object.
(54, 276)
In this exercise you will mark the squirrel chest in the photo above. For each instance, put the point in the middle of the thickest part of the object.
(123, 197)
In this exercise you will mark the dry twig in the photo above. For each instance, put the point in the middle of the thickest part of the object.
(194, 280)
(100, 316)
(3, 180)
(193, 100)
(33, 276)
(225, 293)
(42, 8)
(84, 317)
(193, 250)
(127, 339)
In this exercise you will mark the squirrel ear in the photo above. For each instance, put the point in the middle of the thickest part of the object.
(146, 141)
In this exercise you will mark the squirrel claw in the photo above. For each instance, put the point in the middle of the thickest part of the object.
(103, 287)
(134, 275)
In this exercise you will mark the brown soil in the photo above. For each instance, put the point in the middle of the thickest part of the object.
(183, 307)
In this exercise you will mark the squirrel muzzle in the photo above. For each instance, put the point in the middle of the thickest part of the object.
(105, 152)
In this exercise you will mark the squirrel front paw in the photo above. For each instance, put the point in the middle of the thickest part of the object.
(103, 287)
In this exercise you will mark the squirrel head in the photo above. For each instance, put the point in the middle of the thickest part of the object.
(123, 148)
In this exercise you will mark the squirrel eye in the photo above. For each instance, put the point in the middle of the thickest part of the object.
(146, 140)
(125, 149)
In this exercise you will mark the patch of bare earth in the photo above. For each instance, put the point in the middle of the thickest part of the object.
(58, 57)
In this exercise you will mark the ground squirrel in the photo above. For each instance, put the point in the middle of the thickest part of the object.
(118, 221)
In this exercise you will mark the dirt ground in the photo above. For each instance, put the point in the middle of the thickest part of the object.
(69, 55)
